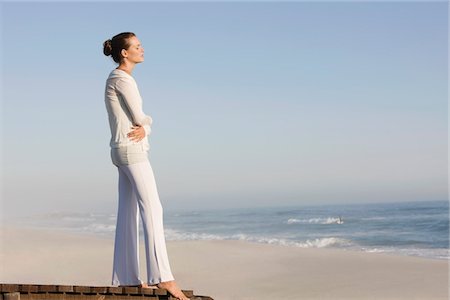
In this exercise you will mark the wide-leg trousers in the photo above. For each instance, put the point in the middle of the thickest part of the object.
(137, 189)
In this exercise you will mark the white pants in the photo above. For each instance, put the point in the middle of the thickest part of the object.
(137, 186)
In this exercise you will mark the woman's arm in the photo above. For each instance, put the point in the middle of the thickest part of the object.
(130, 93)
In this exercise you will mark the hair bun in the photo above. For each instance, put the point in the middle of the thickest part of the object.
(107, 47)
(113, 46)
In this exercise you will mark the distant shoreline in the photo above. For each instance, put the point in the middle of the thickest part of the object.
(413, 229)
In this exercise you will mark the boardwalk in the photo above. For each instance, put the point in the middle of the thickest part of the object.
(77, 292)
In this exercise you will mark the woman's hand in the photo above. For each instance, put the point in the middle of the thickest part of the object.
(137, 134)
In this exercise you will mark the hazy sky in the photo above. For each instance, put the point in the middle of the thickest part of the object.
(254, 103)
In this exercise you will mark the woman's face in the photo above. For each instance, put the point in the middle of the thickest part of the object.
(135, 53)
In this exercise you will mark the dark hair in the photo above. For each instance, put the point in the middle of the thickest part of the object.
(115, 45)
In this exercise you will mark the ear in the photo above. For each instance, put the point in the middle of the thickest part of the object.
(123, 52)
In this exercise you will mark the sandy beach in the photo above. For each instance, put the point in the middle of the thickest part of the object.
(227, 270)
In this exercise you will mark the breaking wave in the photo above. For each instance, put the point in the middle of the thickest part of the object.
(329, 220)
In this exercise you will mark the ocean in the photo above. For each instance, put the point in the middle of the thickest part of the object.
(404, 228)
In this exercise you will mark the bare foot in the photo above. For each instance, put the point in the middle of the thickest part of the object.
(173, 288)
(147, 286)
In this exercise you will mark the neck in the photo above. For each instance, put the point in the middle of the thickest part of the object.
(127, 67)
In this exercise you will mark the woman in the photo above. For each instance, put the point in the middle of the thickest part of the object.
(137, 188)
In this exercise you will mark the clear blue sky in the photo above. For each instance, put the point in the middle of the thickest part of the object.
(254, 103)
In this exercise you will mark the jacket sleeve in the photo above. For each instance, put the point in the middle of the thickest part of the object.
(147, 129)
(130, 93)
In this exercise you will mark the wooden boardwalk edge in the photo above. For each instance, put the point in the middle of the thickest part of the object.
(11, 291)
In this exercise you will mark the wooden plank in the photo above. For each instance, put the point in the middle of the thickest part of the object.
(65, 288)
(188, 293)
(44, 288)
(160, 292)
(127, 297)
(9, 287)
(11, 296)
(81, 289)
(28, 288)
(99, 289)
(71, 296)
(115, 290)
(146, 291)
(130, 290)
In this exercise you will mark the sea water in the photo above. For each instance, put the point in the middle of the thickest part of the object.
(406, 228)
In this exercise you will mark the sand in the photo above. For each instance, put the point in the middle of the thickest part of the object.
(227, 270)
